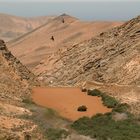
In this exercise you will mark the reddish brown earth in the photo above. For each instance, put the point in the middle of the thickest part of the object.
(66, 101)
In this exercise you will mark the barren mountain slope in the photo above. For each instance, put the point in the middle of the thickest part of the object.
(111, 57)
(21, 119)
(15, 82)
(12, 27)
(66, 30)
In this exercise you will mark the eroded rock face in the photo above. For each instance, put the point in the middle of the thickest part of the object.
(18, 68)
(15, 83)
(111, 57)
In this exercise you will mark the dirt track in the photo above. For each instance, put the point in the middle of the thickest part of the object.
(66, 101)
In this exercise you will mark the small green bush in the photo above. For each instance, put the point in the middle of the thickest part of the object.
(121, 108)
(94, 92)
(56, 134)
(82, 108)
(108, 101)
(27, 101)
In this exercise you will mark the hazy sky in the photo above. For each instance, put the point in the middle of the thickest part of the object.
(83, 9)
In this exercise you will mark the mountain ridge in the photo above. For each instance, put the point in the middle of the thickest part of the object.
(12, 26)
(99, 59)
(66, 31)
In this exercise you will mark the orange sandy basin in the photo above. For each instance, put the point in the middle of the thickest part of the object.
(66, 101)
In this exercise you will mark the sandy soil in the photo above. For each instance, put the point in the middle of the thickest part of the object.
(66, 101)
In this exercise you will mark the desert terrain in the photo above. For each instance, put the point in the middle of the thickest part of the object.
(12, 27)
(42, 89)
(20, 117)
(66, 30)
(111, 57)
(15, 83)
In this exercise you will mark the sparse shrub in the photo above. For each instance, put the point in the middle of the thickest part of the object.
(121, 108)
(56, 134)
(82, 108)
(104, 127)
(50, 113)
(27, 101)
(94, 92)
(108, 101)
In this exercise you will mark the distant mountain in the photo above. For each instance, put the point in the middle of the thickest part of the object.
(12, 27)
(61, 32)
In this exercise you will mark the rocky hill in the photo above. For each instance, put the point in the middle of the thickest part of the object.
(111, 57)
(15, 84)
(20, 118)
(12, 27)
(66, 31)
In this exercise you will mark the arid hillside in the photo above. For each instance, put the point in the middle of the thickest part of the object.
(63, 31)
(20, 118)
(15, 83)
(12, 27)
(111, 57)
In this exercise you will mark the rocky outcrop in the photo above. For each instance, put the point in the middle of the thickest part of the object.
(18, 68)
(111, 57)
(15, 84)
